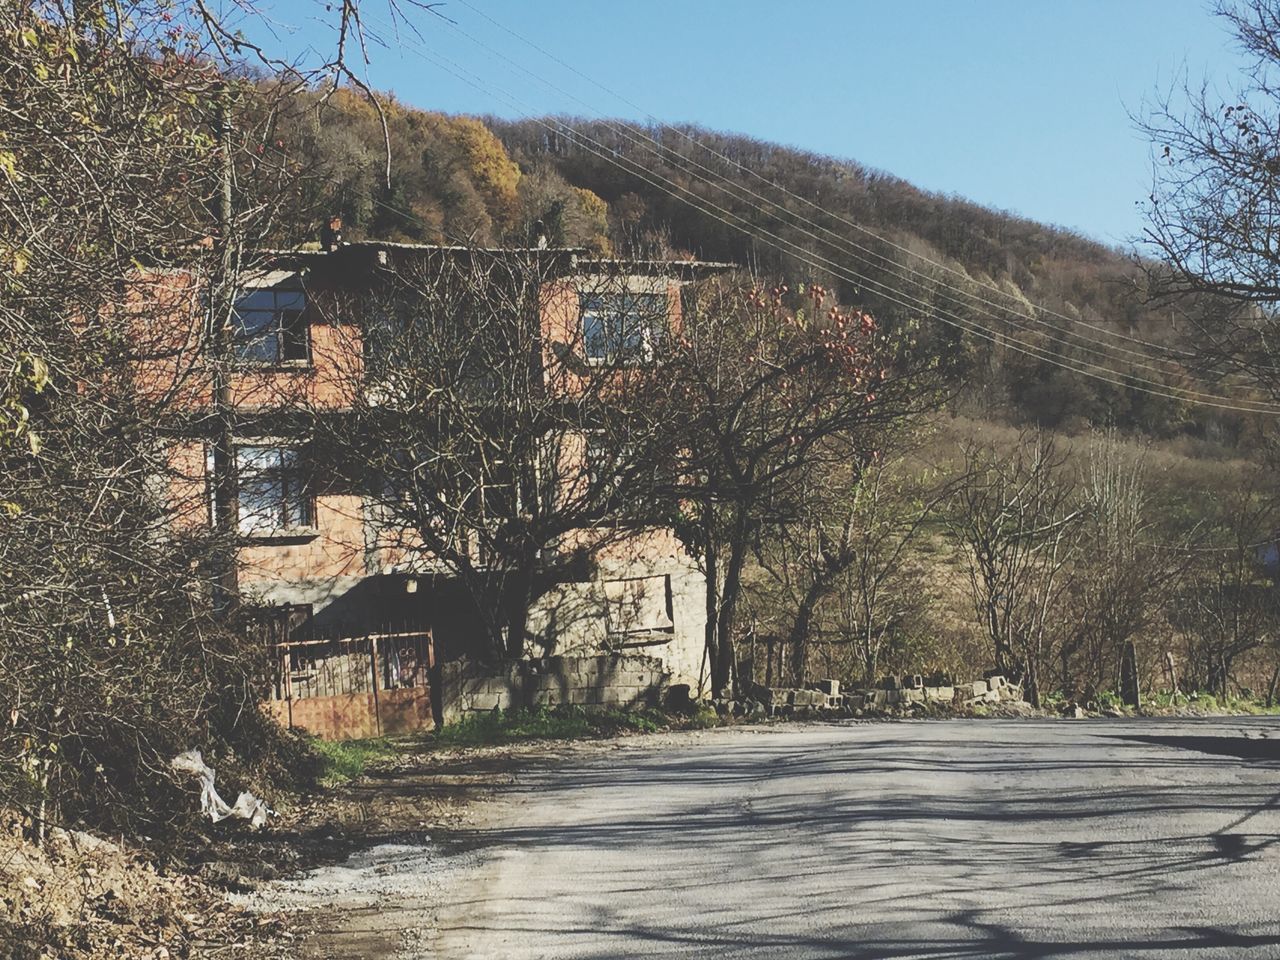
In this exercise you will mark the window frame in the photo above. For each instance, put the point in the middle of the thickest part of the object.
(287, 329)
(647, 333)
(616, 621)
(292, 504)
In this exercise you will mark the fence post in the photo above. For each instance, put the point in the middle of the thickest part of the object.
(1129, 686)
(373, 665)
(286, 656)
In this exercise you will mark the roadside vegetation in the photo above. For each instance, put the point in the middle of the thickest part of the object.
(342, 761)
(567, 723)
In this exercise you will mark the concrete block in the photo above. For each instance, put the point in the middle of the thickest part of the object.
(830, 687)
(913, 682)
(556, 665)
(913, 695)
(977, 688)
(945, 694)
(996, 681)
(609, 696)
(545, 681)
(487, 701)
(807, 698)
(601, 666)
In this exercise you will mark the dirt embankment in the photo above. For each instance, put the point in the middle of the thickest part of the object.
(80, 896)
(367, 858)
(250, 894)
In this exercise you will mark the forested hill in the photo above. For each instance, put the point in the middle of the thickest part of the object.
(974, 285)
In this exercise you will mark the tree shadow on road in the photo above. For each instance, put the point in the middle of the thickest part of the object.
(1247, 748)
(880, 848)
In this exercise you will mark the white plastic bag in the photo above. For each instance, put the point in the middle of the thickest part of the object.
(247, 806)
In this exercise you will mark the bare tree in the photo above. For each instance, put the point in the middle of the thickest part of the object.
(1229, 606)
(1128, 568)
(1215, 199)
(500, 414)
(122, 126)
(1017, 523)
(766, 386)
(844, 563)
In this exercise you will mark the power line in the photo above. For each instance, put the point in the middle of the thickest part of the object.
(779, 242)
(893, 268)
(1144, 361)
(782, 189)
(893, 294)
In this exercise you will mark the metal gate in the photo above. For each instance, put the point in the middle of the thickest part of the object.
(354, 687)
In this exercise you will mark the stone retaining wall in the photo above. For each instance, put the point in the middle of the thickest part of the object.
(600, 682)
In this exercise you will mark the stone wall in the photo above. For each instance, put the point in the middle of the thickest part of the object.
(893, 693)
(597, 682)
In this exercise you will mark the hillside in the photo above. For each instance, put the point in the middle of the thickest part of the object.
(961, 278)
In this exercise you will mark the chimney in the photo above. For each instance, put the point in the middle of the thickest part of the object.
(331, 234)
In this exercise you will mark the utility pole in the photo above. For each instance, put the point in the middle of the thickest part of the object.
(221, 306)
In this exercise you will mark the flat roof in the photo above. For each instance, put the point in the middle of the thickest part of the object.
(579, 257)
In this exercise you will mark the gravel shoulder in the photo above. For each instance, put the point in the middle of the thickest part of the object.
(361, 872)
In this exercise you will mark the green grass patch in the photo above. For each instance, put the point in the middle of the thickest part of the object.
(1196, 701)
(1257, 706)
(559, 723)
(344, 760)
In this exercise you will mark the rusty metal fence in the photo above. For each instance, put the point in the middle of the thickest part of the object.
(354, 687)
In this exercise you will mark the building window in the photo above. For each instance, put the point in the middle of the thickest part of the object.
(269, 326)
(622, 326)
(273, 491)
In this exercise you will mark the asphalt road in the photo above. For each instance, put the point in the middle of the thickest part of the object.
(923, 839)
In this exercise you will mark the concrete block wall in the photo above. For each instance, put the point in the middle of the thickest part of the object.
(605, 681)
(570, 619)
(892, 692)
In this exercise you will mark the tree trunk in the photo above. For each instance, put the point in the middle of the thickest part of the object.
(1005, 661)
(517, 589)
(712, 592)
(799, 637)
(1130, 692)
(1031, 683)
(722, 671)
(1217, 677)
(869, 663)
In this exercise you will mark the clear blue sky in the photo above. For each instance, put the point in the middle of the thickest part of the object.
(1017, 104)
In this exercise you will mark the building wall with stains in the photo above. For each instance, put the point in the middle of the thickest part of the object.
(639, 593)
